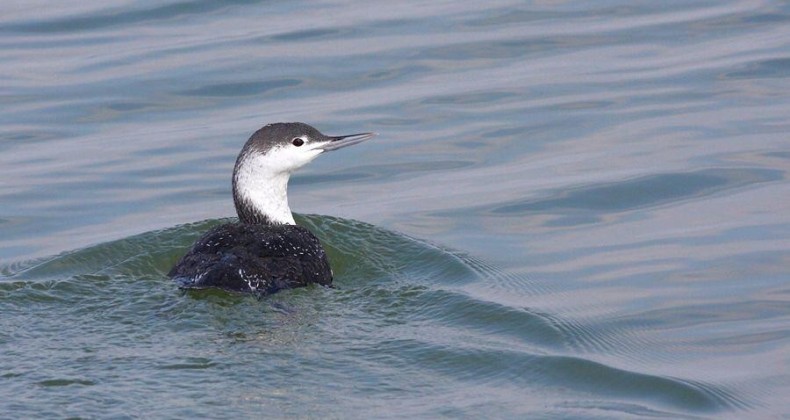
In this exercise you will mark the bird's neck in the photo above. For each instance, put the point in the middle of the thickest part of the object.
(260, 194)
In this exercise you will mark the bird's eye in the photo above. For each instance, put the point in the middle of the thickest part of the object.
(297, 142)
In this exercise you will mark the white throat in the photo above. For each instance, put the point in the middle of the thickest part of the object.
(264, 187)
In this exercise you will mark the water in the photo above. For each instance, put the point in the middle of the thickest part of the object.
(572, 209)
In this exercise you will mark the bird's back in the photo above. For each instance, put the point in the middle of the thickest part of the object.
(254, 258)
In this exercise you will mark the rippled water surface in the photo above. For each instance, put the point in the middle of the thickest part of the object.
(572, 209)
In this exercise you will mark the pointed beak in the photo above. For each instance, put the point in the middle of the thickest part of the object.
(339, 142)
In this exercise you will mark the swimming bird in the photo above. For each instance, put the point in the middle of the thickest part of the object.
(265, 251)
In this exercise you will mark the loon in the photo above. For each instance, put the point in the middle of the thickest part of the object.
(265, 251)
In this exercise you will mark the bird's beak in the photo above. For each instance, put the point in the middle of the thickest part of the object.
(339, 142)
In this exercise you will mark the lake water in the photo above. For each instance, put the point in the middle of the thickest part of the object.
(573, 209)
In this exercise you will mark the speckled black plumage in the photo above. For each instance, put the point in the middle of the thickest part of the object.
(265, 251)
(254, 258)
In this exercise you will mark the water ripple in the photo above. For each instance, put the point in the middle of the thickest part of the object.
(115, 17)
(242, 88)
(648, 191)
(407, 299)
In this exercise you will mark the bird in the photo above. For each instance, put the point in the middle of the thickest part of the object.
(265, 251)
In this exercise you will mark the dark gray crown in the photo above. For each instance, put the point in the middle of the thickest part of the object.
(279, 133)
